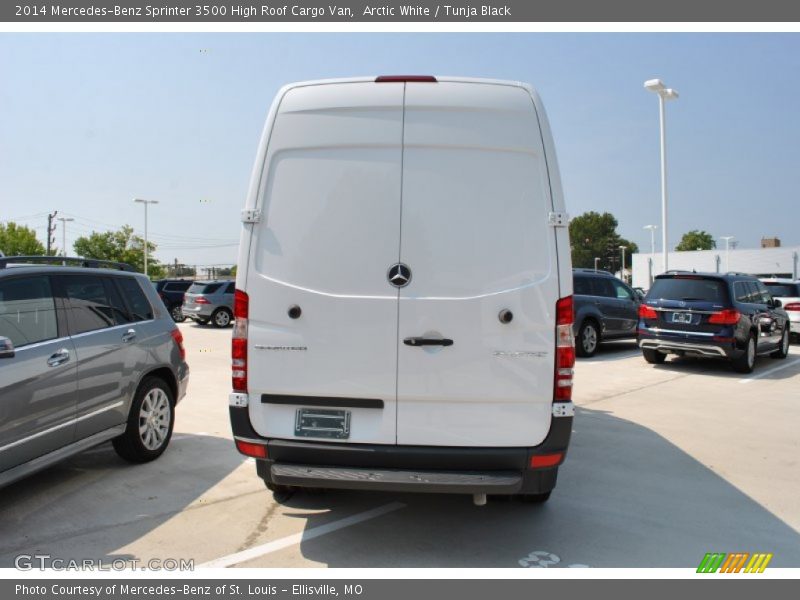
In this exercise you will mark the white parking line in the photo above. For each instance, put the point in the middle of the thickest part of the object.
(309, 534)
(785, 365)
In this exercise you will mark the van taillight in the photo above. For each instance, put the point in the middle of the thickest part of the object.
(241, 307)
(729, 316)
(647, 312)
(201, 300)
(792, 306)
(565, 350)
(405, 78)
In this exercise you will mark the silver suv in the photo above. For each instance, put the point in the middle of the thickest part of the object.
(86, 355)
(210, 301)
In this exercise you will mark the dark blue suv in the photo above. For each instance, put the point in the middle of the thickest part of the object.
(731, 316)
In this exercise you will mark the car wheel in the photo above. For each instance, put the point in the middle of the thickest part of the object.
(783, 349)
(150, 422)
(535, 498)
(177, 314)
(746, 362)
(588, 339)
(654, 357)
(221, 318)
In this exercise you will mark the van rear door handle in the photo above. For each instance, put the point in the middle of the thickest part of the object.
(129, 335)
(423, 341)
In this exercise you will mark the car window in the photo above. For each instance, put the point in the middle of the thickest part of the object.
(751, 295)
(688, 288)
(231, 288)
(741, 292)
(27, 310)
(621, 291)
(783, 290)
(601, 286)
(177, 286)
(120, 311)
(139, 307)
(762, 293)
(89, 306)
(580, 285)
(204, 288)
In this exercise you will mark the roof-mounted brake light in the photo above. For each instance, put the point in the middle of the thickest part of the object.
(405, 79)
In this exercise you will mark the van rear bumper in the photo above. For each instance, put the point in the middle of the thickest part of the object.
(406, 468)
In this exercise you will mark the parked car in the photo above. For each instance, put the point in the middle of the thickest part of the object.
(788, 291)
(605, 309)
(730, 316)
(171, 292)
(210, 301)
(86, 355)
(444, 368)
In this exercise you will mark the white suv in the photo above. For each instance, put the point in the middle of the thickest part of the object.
(788, 292)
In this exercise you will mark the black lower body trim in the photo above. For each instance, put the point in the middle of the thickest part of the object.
(403, 461)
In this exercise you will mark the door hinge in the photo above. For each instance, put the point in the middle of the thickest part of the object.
(251, 215)
(558, 219)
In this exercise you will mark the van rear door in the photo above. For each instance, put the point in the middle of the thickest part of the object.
(476, 239)
(328, 233)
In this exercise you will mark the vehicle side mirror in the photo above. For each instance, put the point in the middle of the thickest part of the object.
(6, 348)
(776, 303)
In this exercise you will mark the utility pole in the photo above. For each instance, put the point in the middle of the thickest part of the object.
(51, 229)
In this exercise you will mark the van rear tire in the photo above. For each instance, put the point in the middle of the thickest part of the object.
(535, 498)
(654, 357)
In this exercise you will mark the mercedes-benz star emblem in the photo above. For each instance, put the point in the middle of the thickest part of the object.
(399, 275)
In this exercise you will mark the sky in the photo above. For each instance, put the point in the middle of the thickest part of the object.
(88, 122)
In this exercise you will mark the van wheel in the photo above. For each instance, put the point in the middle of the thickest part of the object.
(150, 422)
(588, 339)
(654, 357)
(783, 349)
(535, 498)
(221, 317)
(746, 362)
(280, 489)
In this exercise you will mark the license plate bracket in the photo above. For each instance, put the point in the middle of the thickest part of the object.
(322, 423)
(682, 317)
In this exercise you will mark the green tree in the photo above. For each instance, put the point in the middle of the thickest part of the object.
(120, 246)
(18, 240)
(696, 240)
(595, 235)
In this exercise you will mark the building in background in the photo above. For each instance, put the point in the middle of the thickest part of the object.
(768, 261)
(770, 242)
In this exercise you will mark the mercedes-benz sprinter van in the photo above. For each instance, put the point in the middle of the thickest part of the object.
(403, 309)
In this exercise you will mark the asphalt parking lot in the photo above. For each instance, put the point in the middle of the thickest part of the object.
(666, 463)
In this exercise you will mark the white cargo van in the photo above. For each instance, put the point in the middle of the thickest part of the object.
(403, 305)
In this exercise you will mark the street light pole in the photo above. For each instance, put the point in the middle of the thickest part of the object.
(664, 93)
(145, 202)
(652, 229)
(64, 221)
(622, 267)
(727, 239)
(596, 260)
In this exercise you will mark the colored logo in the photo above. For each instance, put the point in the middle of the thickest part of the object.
(738, 562)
